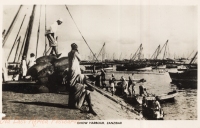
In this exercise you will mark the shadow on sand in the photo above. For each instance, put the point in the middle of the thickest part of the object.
(20, 88)
(43, 104)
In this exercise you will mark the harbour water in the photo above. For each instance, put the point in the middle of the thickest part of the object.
(185, 105)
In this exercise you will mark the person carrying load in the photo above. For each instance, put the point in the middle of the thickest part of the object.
(52, 37)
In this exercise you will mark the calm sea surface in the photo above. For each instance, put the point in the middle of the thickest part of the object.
(185, 105)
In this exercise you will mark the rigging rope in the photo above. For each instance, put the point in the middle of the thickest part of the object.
(81, 33)
(165, 49)
(17, 48)
(10, 27)
(20, 54)
(136, 53)
(26, 47)
(45, 50)
(38, 34)
(101, 50)
(3, 33)
(16, 38)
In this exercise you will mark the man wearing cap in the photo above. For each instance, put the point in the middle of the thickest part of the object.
(52, 37)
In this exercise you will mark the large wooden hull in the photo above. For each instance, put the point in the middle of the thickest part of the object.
(160, 67)
(187, 78)
(133, 67)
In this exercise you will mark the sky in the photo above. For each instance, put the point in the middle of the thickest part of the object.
(122, 27)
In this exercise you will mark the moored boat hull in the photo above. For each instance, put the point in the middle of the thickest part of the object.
(167, 97)
(160, 67)
(185, 79)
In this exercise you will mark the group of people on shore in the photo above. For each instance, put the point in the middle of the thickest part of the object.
(127, 87)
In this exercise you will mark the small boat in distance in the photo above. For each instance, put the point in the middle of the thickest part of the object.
(168, 97)
(182, 68)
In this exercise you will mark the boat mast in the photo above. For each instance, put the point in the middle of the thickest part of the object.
(11, 25)
(190, 54)
(20, 54)
(101, 50)
(16, 38)
(134, 56)
(17, 49)
(165, 49)
(29, 32)
(193, 58)
(38, 34)
(140, 53)
(162, 48)
(156, 53)
(45, 53)
(3, 33)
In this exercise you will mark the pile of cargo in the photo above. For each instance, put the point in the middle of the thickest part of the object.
(48, 72)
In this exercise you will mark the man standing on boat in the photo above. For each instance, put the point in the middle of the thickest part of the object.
(52, 37)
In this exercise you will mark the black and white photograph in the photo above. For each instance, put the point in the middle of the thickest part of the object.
(99, 62)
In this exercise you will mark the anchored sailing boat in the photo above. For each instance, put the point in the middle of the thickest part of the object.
(95, 65)
(186, 78)
(159, 64)
(135, 65)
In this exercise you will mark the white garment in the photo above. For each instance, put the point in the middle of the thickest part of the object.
(125, 86)
(112, 85)
(74, 63)
(31, 62)
(24, 68)
(52, 29)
